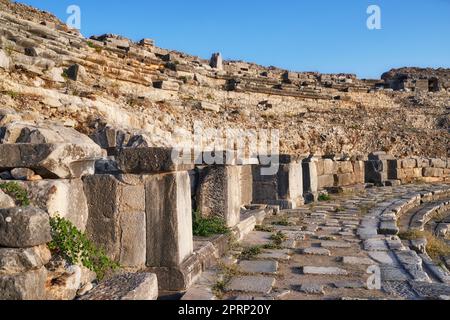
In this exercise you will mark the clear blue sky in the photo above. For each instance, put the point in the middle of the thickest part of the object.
(321, 35)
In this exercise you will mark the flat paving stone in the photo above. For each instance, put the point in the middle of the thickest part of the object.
(275, 255)
(270, 267)
(335, 244)
(317, 251)
(375, 245)
(257, 238)
(324, 271)
(357, 260)
(393, 273)
(352, 284)
(312, 288)
(256, 284)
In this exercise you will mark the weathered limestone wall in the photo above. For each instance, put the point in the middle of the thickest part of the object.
(339, 173)
(419, 169)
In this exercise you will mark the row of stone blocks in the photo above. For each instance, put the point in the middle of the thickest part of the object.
(382, 167)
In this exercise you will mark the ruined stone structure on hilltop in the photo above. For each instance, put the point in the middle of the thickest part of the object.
(88, 129)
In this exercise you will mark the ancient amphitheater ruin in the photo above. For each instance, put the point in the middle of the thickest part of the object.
(94, 205)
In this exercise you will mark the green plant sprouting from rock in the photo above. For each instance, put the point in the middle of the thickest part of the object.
(206, 227)
(17, 192)
(76, 248)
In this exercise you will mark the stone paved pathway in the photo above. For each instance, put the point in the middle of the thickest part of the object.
(335, 250)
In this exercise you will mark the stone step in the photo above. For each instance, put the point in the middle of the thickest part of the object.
(317, 251)
(255, 284)
(265, 267)
(324, 271)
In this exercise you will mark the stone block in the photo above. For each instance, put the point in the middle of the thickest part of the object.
(127, 286)
(328, 166)
(423, 163)
(63, 161)
(266, 267)
(256, 284)
(310, 179)
(209, 106)
(51, 151)
(169, 219)
(345, 179)
(359, 171)
(246, 185)
(284, 186)
(219, 193)
(150, 160)
(433, 172)
(64, 198)
(438, 163)
(167, 85)
(343, 167)
(24, 227)
(324, 271)
(409, 163)
(117, 217)
(17, 260)
(325, 181)
(23, 286)
(320, 167)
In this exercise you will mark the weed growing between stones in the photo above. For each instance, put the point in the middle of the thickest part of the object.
(227, 272)
(250, 253)
(75, 247)
(283, 222)
(18, 193)
(278, 238)
(264, 228)
(206, 227)
(324, 197)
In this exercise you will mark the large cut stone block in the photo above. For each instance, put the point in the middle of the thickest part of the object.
(23, 286)
(151, 160)
(344, 179)
(219, 193)
(169, 219)
(64, 198)
(438, 163)
(433, 172)
(310, 179)
(24, 227)
(117, 217)
(63, 161)
(246, 185)
(325, 181)
(51, 151)
(343, 167)
(359, 170)
(285, 186)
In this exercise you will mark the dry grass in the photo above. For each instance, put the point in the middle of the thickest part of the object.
(437, 248)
